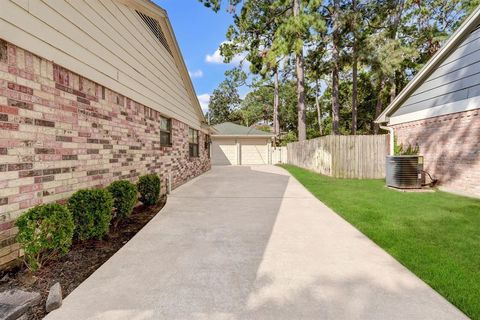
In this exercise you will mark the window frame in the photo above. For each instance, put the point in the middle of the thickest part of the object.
(166, 131)
(193, 145)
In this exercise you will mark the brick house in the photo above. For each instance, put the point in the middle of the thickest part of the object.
(90, 92)
(439, 110)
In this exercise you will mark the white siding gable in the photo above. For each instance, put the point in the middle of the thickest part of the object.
(105, 41)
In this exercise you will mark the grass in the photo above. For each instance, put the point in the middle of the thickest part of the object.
(435, 235)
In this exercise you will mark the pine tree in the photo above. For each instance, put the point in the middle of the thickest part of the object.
(224, 100)
(336, 67)
(364, 51)
(268, 31)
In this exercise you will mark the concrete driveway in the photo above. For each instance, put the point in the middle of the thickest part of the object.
(251, 243)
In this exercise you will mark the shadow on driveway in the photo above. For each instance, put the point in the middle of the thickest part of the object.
(251, 243)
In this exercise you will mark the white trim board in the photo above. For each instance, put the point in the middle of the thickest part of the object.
(449, 108)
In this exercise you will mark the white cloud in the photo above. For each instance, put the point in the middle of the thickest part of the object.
(217, 58)
(196, 74)
(204, 99)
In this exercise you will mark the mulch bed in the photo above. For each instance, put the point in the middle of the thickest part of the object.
(82, 260)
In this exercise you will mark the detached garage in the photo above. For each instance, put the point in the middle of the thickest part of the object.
(233, 144)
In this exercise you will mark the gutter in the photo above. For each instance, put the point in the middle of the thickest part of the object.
(241, 136)
(392, 139)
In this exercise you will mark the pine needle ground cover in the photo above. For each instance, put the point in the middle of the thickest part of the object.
(435, 235)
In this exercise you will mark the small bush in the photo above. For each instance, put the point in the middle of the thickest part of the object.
(92, 212)
(124, 195)
(149, 188)
(43, 232)
(408, 151)
(400, 150)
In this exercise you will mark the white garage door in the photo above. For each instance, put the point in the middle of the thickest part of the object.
(224, 152)
(254, 151)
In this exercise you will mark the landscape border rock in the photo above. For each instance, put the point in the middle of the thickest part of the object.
(14, 303)
(54, 299)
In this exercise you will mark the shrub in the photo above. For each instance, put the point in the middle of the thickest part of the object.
(149, 188)
(124, 195)
(43, 232)
(92, 212)
(409, 151)
(400, 150)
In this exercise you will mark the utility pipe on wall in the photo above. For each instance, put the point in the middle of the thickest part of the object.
(392, 138)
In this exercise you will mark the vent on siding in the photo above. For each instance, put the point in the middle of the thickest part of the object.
(154, 26)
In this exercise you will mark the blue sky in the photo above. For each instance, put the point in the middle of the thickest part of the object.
(199, 32)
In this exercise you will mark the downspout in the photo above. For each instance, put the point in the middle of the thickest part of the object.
(392, 138)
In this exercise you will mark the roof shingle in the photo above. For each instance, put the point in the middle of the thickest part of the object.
(233, 129)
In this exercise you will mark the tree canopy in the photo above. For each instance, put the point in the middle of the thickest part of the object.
(339, 63)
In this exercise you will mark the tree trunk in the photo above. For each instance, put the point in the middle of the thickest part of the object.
(276, 99)
(336, 70)
(379, 105)
(393, 89)
(394, 35)
(299, 64)
(395, 20)
(354, 75)
(319, 110)
(302, 127)
(354, 92)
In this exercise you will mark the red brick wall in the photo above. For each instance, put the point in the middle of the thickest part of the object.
(60, 132)
(451, 147)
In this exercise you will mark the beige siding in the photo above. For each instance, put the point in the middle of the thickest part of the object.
(105, 41)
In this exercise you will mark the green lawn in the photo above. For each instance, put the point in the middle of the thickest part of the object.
(435, 235)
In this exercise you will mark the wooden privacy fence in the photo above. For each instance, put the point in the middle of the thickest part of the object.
(361, 157)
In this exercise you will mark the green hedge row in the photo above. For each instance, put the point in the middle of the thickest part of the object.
(48, 230)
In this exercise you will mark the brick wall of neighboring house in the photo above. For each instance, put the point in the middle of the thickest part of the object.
(451, 147)
(60, 132)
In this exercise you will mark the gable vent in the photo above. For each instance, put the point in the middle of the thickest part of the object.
(154, 26)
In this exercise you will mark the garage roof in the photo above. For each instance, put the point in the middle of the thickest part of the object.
(233, 129)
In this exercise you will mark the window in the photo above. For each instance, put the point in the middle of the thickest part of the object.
(165, 132)
(193, 142)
